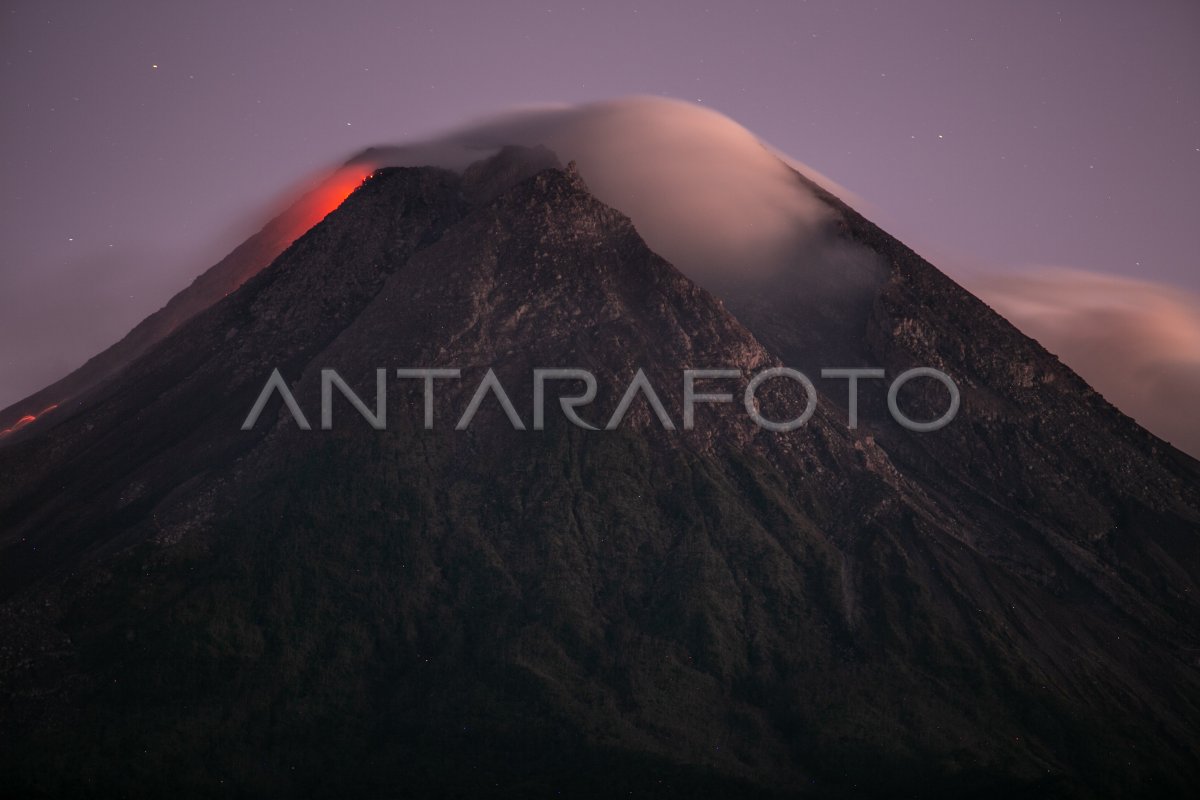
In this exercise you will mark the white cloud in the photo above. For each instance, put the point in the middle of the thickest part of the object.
(1134, 341)
(703, 191)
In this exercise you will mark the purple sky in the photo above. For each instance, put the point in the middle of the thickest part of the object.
(142, 139)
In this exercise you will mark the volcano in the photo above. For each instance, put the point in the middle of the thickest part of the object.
(1001, 607)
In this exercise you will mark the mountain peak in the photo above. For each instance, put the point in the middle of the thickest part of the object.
(998, 606)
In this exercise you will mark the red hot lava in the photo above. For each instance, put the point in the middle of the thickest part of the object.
(28, 418)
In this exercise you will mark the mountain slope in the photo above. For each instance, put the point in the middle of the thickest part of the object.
(999, 607)
(245, 261)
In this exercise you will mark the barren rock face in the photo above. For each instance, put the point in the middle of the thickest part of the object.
(1003, 606)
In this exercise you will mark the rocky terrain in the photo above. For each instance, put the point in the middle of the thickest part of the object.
(1001, 608)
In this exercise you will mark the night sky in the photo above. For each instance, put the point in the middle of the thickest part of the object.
(141, 140)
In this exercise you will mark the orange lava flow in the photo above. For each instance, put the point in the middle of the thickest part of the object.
(306, 212)
(25, 420)
(331, 193)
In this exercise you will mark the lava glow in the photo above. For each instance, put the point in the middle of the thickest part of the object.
(323, 200)
(25, 420)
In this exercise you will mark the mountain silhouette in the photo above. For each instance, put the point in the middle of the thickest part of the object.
(1002, 607)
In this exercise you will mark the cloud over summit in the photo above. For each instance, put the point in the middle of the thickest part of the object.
(702, 190)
